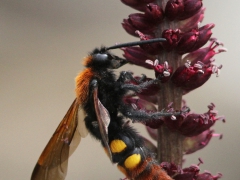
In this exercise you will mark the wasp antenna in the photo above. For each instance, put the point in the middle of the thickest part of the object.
(137, 43)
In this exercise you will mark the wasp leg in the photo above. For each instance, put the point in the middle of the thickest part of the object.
(138, 88)
(143, 116)
(128, 76)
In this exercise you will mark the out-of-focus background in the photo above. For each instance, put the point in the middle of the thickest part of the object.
(41, 47)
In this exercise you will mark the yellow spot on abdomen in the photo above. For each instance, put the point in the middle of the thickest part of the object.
(132, 161)
(117, 146)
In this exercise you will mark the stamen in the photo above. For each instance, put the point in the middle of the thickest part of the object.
(166, 73)
(188, 64)
(201, 71)
(148, 61)
(165, 65)
(156, 62)
(200, 161)
(197, 65)
(134, 106)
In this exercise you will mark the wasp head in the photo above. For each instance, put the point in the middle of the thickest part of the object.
(103, 59)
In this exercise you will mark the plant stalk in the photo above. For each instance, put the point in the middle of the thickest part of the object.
(170, 144)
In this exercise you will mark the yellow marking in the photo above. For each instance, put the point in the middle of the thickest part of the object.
(132, 161)
(117, 146)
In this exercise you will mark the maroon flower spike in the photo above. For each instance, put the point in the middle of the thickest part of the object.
(137, 56)
(178, 21)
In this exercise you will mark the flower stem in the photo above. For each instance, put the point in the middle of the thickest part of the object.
(170, 147)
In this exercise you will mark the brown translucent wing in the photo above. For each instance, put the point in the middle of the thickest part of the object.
(53, 162)
(103, 119)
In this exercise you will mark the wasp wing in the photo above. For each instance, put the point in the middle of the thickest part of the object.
(53, 162)
(103, 119)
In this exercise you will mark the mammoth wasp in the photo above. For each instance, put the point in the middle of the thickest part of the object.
(100, 110)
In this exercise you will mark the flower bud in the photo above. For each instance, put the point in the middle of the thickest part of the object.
(172, 37)
(138, 21)
(137, 56)
(173, 9)
(154, 13)
(152, 48)
(191, 7)
(196, 38)
(192, 22)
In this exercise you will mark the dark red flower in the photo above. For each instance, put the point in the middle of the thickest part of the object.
(163, 71)
(194, 39)
(154, 13)
(191, 77)
(138, 21)
(182, 9)
(173, 9)
(153, 48)
(206, 54)
(192, 22)
(194, 124)
(172, 37)
(137, 56)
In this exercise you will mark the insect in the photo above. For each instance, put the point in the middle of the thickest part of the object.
(99, 100)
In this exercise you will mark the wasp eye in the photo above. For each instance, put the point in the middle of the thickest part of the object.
(101, 57)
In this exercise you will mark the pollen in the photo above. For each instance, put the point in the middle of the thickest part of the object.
(132, 161)
(117, 146)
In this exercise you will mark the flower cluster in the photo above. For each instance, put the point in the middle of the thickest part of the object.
(178, 21)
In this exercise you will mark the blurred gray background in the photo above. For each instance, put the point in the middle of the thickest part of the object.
(42, 44)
